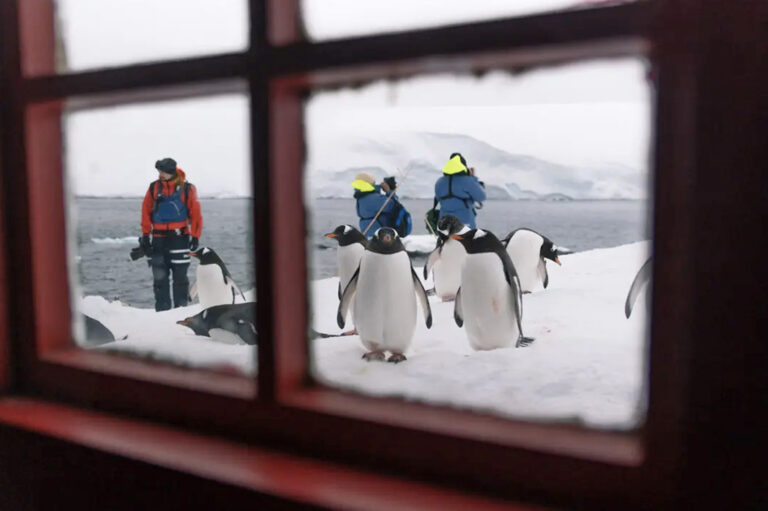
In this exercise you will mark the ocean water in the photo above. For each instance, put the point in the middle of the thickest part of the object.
(577, 225)
(107, 229)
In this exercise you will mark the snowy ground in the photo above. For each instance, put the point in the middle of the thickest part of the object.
(586, 365)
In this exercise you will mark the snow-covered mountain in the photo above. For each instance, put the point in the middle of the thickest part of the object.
(417, 157)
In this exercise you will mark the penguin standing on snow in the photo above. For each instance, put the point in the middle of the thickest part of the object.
(385, 288)
(226, 323)
(352, 244)
(529, 250)
(643, 276)
(490, 300)
(445, 261)
(214, 284)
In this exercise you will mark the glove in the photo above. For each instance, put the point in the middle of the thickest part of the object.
(146, 245)
(391, 182)
(194, 243)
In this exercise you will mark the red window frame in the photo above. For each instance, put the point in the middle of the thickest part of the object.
(572, 465)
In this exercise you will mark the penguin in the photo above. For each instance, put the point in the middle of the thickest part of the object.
(237, 319)
(529, 250)
(490, 300)
(352, 244)
(643, 276)
(96, 334)
(385, 288)
(214, 284)
(446, 259)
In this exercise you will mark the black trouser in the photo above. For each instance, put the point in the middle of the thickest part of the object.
(170, 255)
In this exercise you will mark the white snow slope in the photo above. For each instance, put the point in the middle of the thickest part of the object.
(587, 364)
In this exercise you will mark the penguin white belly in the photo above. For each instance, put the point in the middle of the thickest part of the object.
(487, 303)
(211, 288)
(348, 259)
(525, 251)
(385, 302)
(447, 270)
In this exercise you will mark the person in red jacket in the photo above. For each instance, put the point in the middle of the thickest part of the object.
(171, 214)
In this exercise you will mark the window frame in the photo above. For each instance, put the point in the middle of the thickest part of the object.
(572, 464)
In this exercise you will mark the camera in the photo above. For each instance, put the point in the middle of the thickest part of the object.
(391, 182)
(137, 253)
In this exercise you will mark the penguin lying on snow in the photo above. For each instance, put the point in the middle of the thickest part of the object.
(529, 250)
(237, 319)
(489, 301)
(643, 276)
(384, 288)
(446, 260)
(214, 284)
(352, 244)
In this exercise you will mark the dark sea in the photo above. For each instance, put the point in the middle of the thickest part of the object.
(107, 229)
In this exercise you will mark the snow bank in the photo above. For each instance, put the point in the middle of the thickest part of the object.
(587, 364)
(419, 243)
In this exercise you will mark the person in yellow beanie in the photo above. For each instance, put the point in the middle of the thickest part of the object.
(369, 198)
(458, 189)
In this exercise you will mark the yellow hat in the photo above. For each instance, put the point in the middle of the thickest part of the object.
(364, 182)
(454, 165)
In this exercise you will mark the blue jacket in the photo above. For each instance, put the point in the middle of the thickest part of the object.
(465, 190)
(368, 204)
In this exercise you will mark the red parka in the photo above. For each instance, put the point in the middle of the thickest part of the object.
(195, 221)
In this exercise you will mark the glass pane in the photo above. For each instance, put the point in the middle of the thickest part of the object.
(136, 290)
(335, 19)
(107, 33)
(559, 153)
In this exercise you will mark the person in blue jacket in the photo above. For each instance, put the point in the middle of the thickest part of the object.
(458, 190)
(369, 199)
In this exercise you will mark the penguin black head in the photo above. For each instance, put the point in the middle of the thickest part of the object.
(477, 241)
(347, 235)
(448, 225)
(197, 323)
(207, 255)
(550, 251)
(385, 241)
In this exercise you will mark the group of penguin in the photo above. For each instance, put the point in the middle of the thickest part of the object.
(484, 276)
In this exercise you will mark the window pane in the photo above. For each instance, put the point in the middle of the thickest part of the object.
(112, 155)
(561, 152)
(335, 19)
(106, 33)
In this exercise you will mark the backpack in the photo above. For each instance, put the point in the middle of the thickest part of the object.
(403, 223)
(431, 217)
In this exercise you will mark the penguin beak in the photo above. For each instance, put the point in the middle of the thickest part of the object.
(331, 235)
(557, 260)
(193, 254)
(182, 322)
(458, 237)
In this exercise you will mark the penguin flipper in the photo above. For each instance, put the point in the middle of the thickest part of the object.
(422, 295)
(193, 291)
(339, 291)
(458, 312)
(235, 289)
(517, 291)
(541, 269)
(643, 276)
(346, 299)
(434, 256)
(247, 332)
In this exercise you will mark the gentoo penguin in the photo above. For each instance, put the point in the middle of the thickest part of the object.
(489, 300)
(352, 244)
(96, 333)
(214, 284)
(385, 288)
(643, 276)
(529, 250)
(446, 259)
(237, 319)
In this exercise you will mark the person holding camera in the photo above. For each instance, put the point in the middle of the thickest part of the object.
(370, 198)
(458, 191)
(171, 214)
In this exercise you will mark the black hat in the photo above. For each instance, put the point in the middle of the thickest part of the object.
(167, 165)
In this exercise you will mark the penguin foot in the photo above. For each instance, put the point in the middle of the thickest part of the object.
(523, 342)
(396, 358)
(374, 355)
